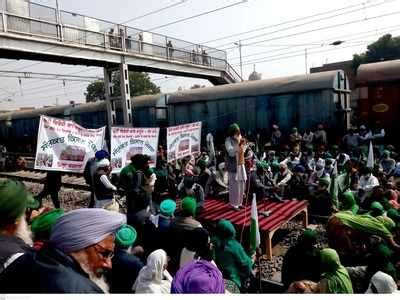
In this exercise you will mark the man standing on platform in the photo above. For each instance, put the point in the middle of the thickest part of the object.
(234, 160)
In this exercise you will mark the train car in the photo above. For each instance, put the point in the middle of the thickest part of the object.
(378, 90)
(302, 101)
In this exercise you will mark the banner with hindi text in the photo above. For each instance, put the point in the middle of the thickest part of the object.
(64, 145)
(126, 142)
(183, 140)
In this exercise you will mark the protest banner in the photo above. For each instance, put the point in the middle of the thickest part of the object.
(126, 142)
(183, 140)
(63, 145)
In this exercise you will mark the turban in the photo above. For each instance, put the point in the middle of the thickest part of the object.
(125, 236)
(167, 207)
(189, 205)
(198, 277)
(44, 222)
(299, 169)
(84, 227)
(14, 199)
(377, 208)
(232, 128)
(308, 237)
(262, 165)
(103, 163)
(101, 154)
(325, 181)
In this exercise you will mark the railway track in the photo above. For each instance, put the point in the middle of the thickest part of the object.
(68, 180)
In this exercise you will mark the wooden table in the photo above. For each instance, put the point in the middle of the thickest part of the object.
(280, 213)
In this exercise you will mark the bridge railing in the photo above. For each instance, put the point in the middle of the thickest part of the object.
(37, 20)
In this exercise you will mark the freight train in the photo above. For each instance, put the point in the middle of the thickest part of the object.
(378, 96)
(302, 101)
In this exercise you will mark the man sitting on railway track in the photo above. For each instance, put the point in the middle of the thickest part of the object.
(79, 251)
(15, 235)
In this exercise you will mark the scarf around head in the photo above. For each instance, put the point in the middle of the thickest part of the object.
(364, 223)
(152, 278)
(338, 280)
(198, 277)
(81, 228)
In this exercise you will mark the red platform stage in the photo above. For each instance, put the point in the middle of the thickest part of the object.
(280, 213)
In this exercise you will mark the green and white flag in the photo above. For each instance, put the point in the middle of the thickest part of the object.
(254, 230)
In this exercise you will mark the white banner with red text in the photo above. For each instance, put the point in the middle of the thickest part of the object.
(183, 140)
(63, 145)
(126, 142)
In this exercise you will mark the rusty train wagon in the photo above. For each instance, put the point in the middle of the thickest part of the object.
(378, 91)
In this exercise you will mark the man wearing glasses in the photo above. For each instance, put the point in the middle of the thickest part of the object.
(79, 252)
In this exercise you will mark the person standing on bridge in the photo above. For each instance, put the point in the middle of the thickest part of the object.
(170, 49)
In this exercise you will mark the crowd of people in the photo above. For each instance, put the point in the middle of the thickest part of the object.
(149, 239)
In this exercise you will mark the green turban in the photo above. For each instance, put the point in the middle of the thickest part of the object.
(202, 163)
(275, 165)
(125, 236)
(14, 199)
(294, 130)
(308, 237)
(43, 224)
(262, 165)
(167, 207)
(386, 153)
(233, 128)
(377, 208)
(325, 181)
(189, 205)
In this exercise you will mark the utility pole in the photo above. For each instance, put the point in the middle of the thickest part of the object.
(239, 44)
(306, 58)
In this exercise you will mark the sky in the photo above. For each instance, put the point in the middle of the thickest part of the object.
(274, 44)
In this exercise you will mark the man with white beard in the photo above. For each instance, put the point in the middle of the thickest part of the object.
(15, 235)
(74, 260)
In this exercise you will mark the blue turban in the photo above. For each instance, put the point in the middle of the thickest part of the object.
(84, 227)
(101, 154)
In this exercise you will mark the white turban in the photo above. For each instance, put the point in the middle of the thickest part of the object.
(84, 227)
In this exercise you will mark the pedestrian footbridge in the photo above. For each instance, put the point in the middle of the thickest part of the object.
(36, 32)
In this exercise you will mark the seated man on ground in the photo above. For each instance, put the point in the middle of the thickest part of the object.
(301, 261)
(125, 265)
(79, 251)
(198, 277)
(15, 235)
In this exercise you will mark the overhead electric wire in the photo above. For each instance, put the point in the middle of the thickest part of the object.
(283, 23)
(198, 15)
(297, 55)
(155, 11)
(324, 43)
(322, 28)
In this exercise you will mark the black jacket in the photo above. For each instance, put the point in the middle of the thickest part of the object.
(126, 268)
(10, 245)
(48, 271)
